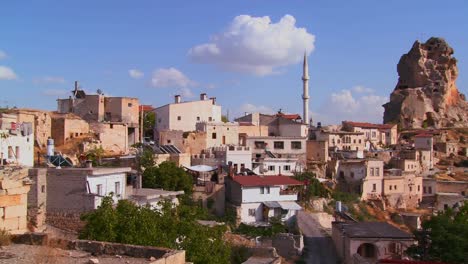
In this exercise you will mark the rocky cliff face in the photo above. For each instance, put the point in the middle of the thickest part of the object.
(426, 94)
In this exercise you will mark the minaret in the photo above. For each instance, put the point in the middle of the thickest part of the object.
(305, 86)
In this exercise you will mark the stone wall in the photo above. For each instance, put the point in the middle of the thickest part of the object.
(37, 198)
(97, 248)
(14, 188)
(112, 136)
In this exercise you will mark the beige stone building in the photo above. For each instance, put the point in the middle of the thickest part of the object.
(184, 116)
(113, 137)
(98, 108)
(342, 140)
(317, 150)
(67, 126)
(402, 189)
(219, 133)
(368, 242)
(361, 176)
(14, 188)
(376, 134)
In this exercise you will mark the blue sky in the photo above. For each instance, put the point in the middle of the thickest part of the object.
(354, 47)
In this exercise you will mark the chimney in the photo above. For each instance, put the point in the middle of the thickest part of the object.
(203, 97)
(177, 99)
(213, 100)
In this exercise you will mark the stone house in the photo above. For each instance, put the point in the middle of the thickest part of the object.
(402, 189)
(377, 134)
(361, 176)
(368, 242)
(219, 133)
(447, 148)
(67, 126)
(342, 140)
(101, 109)
(317, 150)
(113, 137)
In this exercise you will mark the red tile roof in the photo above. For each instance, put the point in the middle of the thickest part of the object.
(145, 108)
(251, 181)
(368, 125)
(289, 116)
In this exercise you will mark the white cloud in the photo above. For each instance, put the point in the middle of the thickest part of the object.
(256, 45)
(55, 92)
(362, 89)
(2, 54)
(170, 77)
(7, 73)
(251, 108)
(50, 79)
(135, 74)
(346, 105)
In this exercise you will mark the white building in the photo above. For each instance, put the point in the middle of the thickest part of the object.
(258, 199)
(184, 116)
(278, 166)
(16, 141)
(219, 133)
(240, 158)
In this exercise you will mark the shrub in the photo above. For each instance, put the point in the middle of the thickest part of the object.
(5, 238)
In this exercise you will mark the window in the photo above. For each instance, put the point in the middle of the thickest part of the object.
(130, 104)
(271, 168)
(278, 145)
(251, 212)
(17, 152)
(410, 189)
(267, 189)
(168, 141)
(43, 188)
(390, 187)
(99, 189)
(377, 171)
(359, 141)
(371, 171)
(262, 190)
(296, 145)
(210, 119)
(395, 187)
(374, 187)
(10, 152)
(374, 134)
(198, 118)
(117, 188)
(424, 189)
(213, 135)
(179, 118)
(419, 188)
(430, 189)
(259, 144)
(287, 167)
(111, 126)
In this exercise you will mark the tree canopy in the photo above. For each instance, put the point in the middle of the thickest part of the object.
(313, 187)
(443, 237)
(170, 227)
(167, 176)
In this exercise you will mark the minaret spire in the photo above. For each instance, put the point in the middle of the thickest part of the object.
(305, 86)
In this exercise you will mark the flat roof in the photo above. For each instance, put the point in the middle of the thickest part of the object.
(372, 230)
(254, 180)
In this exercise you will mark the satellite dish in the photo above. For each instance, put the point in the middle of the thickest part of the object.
(99, 91)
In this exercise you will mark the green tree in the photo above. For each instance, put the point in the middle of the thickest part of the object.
(224, 119)
(149, 121)
(443, 237)
(95, 155)
(313, 188)
(167, 227)
(167, 176)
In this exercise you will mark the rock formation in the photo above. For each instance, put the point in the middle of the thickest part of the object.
(426, 94)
